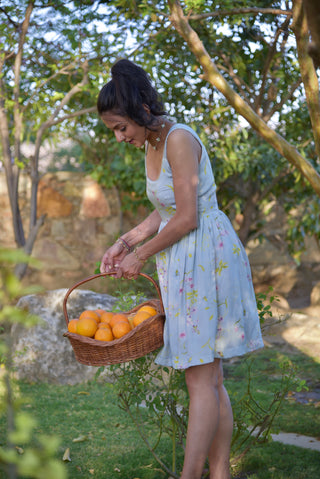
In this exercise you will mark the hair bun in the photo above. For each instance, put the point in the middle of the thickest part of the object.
(122, 68)
(128, 91)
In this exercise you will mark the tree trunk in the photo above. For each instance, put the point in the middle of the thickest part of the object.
(12, 174)
(312, 10)
(308, 72)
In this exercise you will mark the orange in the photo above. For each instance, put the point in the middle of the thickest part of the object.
(87, 327)
(104, 325)
(120, 329)
(149, 309)
(88, 313)
(99, 311)
(131, 321)
(72, 325)
(104, 334)
(118, 318)
(140, 317)
(106, 316)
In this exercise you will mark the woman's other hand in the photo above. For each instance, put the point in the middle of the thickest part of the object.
(112, 258)
(130, 266)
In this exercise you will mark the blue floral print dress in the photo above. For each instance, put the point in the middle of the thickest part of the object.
(205, 279)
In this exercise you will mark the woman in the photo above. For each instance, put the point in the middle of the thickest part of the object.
(203, 270)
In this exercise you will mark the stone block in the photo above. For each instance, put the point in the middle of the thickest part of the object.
(84, 229)
(54, 255)
(59, 229)
(94, 203)
(266, 253)
(72, 189)
(52, 203)
(42, 354)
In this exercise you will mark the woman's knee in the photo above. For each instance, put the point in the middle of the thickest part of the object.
(210, 374)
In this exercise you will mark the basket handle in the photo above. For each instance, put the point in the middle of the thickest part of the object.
(90, 278)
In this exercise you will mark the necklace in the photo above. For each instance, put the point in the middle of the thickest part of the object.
(158, 139)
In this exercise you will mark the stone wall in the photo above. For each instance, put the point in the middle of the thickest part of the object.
(83, 219)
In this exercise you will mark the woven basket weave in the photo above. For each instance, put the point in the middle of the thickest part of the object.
(143, 339)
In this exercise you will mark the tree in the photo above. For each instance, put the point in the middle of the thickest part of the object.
(55, 56)
(213, 75)
(251, 113)
(46, 71)
(252, 70)
(252, 47)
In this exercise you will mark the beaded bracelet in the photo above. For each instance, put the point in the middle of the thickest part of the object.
(138, 257)
(124, 244)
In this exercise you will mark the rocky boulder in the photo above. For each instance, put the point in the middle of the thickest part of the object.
(41, 352)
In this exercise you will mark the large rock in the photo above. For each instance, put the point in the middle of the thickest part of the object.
(42, 353)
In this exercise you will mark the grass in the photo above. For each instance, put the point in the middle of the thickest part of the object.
(104, 443)
(294, 416)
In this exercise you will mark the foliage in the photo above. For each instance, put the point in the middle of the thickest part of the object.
(48, 75)
(52, 95)
(156, 395)
(113, 165)
(255, 53)
(18, 456)
(103, 441)
(253, 417)
(161, 391)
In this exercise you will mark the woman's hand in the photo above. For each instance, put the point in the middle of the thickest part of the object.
(130, 266)
(112, 258)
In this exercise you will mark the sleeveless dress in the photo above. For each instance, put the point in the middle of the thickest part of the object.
(204, 278)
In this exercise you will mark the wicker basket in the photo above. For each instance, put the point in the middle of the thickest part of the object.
(141, 340)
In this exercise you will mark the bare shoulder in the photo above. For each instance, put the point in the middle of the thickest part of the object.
(181, 140)
(180, 135)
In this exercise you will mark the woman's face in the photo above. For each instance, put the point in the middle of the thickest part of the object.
(125, 129)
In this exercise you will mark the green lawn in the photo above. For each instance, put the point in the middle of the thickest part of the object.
(104, 443)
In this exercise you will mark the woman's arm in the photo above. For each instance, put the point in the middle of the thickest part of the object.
(144, 230)
(118, 251)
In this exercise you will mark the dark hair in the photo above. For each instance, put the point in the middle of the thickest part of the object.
(129, 90)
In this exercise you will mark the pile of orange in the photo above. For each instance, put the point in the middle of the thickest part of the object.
(106, 325)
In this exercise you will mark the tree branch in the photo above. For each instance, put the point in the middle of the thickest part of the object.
(271, 53)
(74, 115)
(62, 71)
(47, 124)
(278, 106)
(21, 268)
(240, 11)
(15, 24)
(243, 87)
(16, 88)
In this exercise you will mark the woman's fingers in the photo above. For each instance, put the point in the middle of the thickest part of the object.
(107, 264)
(112, 258)
(123, 265)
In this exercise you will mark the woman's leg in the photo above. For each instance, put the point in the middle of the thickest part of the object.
(204, 409)
(219, 454)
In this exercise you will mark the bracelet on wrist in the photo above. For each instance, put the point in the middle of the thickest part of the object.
(124, 244)
(138, 257)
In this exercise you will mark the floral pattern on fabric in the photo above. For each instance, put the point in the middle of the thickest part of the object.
(205, 279)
